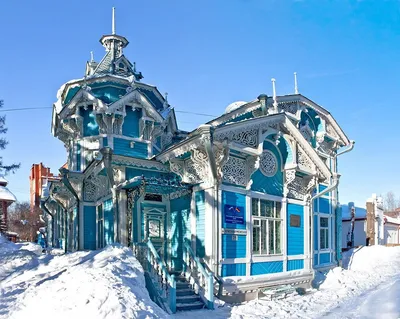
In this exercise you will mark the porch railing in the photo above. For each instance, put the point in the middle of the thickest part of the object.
(202, 280)
(163, 283)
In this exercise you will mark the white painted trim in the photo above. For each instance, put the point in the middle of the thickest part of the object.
(226, 261)
(208, 223)
(193, 220)
(307, 239)
(295, 201)
(234, 189)
(123, 200)
(261, 258)
(249, 238)
(81, 227)
(297, 257)
(284, 230)
(259, 195)
(219, 226)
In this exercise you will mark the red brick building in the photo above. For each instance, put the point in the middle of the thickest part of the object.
(39, 177)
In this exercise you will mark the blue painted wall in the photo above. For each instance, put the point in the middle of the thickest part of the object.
(108, 222)
(233, 248)
(323, 205)
(295, 264)
(180, 229)
(233, 270)
(89, 227)
(200, 223)
(324, 258)
(122, 147)
(130, 126)
(295, 235)
(269, 185)
(90, 126)
(266, 268)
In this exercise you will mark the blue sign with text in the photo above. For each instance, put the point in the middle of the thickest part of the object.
(234, 214)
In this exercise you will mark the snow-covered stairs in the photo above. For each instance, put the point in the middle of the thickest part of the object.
(186, 298)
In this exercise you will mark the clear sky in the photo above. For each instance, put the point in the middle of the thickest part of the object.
(207, 54)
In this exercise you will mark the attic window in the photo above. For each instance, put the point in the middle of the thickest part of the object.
(121, 67)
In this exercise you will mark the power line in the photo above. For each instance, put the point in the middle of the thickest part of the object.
(49, 107)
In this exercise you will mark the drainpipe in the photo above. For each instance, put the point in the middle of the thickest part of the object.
(64, 173)
(43, 206)
(332, 187)
(327, 190)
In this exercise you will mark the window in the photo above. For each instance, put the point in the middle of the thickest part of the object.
(267, 227)
(324, 232)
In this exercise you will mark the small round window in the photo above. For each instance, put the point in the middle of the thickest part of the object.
(268, 163)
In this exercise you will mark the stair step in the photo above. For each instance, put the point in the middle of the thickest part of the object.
(184, 292)
(189, 306)
(182, 285)
(187, 299)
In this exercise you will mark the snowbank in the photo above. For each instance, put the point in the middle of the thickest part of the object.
(106, 283)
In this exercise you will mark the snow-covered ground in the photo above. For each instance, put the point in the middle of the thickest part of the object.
(109, 283)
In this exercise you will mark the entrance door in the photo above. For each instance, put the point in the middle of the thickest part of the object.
(155, 229)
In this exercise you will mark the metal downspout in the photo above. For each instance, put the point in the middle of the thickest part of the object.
(326, 190)
(335, 184)
(64, 172)
(43, 206)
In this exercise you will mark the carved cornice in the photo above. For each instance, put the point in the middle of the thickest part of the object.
(136, 162)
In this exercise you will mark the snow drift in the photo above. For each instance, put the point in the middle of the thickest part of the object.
(107, 283)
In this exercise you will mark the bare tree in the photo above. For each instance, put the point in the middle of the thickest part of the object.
(390, 202)
(25, 220)
(3, 143)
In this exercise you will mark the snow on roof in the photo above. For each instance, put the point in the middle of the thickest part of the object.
(360, 212)
(5, 194)
(391, 220)
(3, 181)
(233, 106)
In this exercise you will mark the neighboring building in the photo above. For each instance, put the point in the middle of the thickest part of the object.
(6, 199)
(39, 178)
(240, 191)
(391, 230)
(371, 225)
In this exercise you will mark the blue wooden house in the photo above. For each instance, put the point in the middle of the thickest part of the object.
(244, 202)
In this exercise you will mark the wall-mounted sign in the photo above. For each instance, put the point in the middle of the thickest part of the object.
(295, 220)
(234, 214)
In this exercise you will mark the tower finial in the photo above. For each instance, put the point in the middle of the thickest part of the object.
(91, 56)
(165, 105)
(296, 89)
(275, 104)
(113, 20)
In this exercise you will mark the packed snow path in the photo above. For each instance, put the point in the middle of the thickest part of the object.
(380, 302)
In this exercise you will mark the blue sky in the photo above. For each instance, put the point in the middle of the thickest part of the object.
(207, 54)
